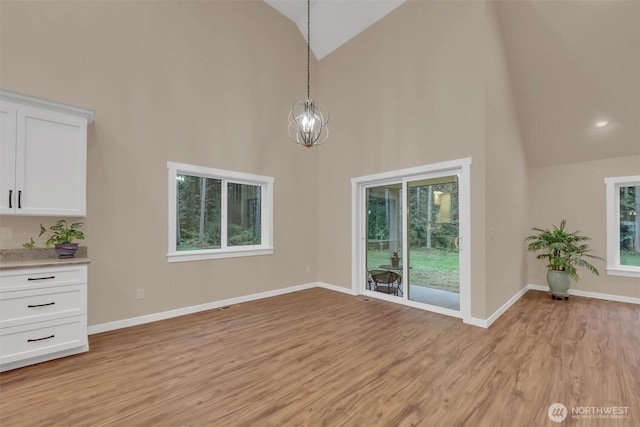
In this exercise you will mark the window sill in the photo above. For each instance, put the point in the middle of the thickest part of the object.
(202, 255)
(622, 271)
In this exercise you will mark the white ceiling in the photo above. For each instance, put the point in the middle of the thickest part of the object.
(571, 64)
(333, 22)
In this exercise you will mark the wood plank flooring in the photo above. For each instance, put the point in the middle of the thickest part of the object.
(322, 358)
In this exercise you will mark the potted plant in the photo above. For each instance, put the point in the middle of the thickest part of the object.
(61, 236)
(395, 259)
(564, 252)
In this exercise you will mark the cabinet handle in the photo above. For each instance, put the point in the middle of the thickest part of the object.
(41, 305)
(19, 199)
(40, 339)
(10, 197)
(41, 278)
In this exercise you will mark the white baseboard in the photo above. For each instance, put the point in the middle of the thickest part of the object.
(331, 287)
(134, 321)
(485, 323)
(474, 321)
(499, 312)
(531, 287)
(154, 317)
(482, 323)
(587, 294)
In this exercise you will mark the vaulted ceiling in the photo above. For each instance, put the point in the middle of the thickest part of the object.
(572, 64)
(333, 22)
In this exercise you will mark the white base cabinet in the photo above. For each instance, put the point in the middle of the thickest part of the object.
(43, 156)
(43, 314)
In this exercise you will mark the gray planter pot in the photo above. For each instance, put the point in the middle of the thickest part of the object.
(558, 282)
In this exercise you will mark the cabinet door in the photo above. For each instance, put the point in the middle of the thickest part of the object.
(50, 163)
(7, 157)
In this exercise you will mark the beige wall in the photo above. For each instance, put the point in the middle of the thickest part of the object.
(576, 192)
(211, 83)
(206, 83)
(408, 91)
(506, 177)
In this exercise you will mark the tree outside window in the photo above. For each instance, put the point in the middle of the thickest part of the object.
(218, 214)
(623, 226)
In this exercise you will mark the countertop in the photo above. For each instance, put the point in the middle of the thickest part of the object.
(34, 258)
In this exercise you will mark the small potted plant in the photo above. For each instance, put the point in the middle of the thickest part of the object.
(564, 252)
(61, 236)
(395, 259)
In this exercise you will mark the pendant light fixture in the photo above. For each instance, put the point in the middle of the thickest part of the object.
(308, 120)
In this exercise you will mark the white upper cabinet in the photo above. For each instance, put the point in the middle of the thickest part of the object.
(43, 155)
(7, 157)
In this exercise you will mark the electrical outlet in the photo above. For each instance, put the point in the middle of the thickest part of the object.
(140, 293)
(308, 269)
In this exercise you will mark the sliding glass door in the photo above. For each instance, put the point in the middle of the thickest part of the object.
(411, 243)
(433, 255)
(384, 225)
(384, 238)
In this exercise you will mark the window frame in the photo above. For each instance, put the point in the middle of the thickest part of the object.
(613, 184)
(266, 214)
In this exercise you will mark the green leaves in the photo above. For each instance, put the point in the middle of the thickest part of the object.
(58, 234)
(563, 251)
(29, 245)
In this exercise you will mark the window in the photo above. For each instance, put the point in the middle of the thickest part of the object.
(215, 213)
(623, 226)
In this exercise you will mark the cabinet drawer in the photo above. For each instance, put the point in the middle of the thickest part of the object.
(42, 277)
(36, 305)
(42, 338)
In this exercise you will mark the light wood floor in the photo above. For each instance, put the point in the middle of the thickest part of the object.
(319, 357)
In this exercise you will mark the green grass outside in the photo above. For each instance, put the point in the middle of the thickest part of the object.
(431, 268)
(439, 269)
(630, 258)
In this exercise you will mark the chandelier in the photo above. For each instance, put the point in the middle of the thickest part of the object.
(308, 120)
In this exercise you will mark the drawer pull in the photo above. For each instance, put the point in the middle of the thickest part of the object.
(19, 199)
(41, 339)
(41, 278)
(10, 197)
(40, 305)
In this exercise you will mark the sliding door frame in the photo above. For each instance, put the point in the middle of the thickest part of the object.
(359, 186)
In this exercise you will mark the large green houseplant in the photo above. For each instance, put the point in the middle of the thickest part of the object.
(564, 253)
(61, 236)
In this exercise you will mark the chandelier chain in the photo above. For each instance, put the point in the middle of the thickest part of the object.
(308, 47)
